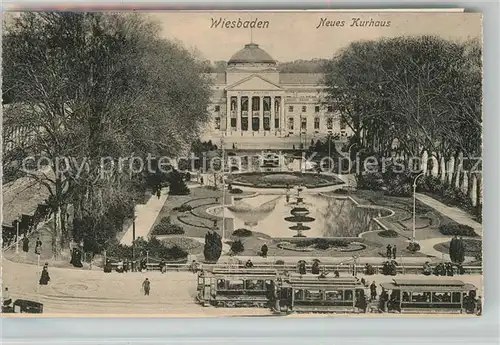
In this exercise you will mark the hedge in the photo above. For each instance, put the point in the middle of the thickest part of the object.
(165, 227)
(235, 191)
(183, 208)
(388, 233)
(413, 247)
(242, 233)
(237, 247)
(321, 243)
(452, 229)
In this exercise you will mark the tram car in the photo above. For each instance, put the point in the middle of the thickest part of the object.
(316, 294)
(429, 296)
(248, 287)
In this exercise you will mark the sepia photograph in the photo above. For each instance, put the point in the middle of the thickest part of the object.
(246, 163)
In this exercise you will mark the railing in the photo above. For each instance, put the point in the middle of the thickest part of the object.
(244, 113)
(233, 113)
(267, 113)
(255, 113)
(345, 268)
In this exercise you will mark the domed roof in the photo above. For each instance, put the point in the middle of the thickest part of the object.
(251, 54)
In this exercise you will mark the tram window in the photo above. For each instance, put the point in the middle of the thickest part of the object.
(255, 284)
(446, 297)
(221, 284)
(235, 285)
(313, 294)
(334, 295)
(418, 297)
(455, 297)
(348, 295)
(406, 297)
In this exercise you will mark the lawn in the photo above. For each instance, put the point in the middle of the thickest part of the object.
(472, 247)
(197, 221)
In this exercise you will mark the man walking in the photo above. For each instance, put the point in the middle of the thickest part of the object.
(394, 252)
(373, 292)
(388, 252)
(146, 286)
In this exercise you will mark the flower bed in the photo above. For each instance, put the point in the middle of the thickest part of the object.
(284, 180)
(388, 233)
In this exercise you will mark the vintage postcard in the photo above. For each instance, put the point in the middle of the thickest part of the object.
(243, 163)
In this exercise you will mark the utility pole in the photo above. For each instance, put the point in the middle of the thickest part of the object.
(133, 231)
(223, 166)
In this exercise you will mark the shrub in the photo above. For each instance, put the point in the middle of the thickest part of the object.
(371, 181)
(183, 208)
(413, 247)
(211, 187)
(237, 247)
(242, 233)
(165, 227)
(341, 191)
(155, 248)
(388, 233)
(279, 262)
(451, 229)
(213, 246)
(235, 191)
(322, 244)
(187, 176)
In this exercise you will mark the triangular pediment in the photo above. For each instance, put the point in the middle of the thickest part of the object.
(254, 83)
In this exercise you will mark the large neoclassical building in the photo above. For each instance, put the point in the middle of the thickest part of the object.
(253, 98)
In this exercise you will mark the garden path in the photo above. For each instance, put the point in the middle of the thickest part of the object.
(145, 216)
(453, 213)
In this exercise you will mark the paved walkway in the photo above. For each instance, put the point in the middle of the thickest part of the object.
(453, 213)
(145, 217)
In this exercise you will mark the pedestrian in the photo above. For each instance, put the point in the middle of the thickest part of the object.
(373, 291)
(45, 278)
(249, 264)
(302, 267)
(389, 251)
(38, 246)
(315, 267)
(336, 274)
(201, 180)
(6, 300)
(263, 250)
(158, 192)
(394, 252)
(26, 244)
(146, 286)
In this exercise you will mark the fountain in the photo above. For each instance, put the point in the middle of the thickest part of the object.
(300, 215)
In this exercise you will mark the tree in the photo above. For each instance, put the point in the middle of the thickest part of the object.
(213, 246)
(79, 80)
(177, 186)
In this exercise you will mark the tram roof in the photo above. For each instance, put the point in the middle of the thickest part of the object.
(427, 282)
(244, 270)
(327, 287)
(429, 286)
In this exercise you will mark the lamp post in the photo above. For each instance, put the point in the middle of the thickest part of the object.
(133, 230)
(350, 166)
(414, 204)
(329, 152)
(17, 234)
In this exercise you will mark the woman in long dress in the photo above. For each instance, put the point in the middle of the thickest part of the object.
(45, 278)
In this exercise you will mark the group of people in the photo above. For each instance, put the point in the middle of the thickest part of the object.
(391, 252)
(26, 245)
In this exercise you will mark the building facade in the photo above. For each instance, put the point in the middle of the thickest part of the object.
(253, 98)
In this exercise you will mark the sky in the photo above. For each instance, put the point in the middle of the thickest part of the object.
(294, 35)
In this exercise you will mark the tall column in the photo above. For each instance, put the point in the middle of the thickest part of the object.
(228, 113)
(261, 114)
(238, 113)
(283, 123)
(250, 114)
(271, 119)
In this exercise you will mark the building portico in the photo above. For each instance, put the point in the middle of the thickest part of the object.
(252, 98)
